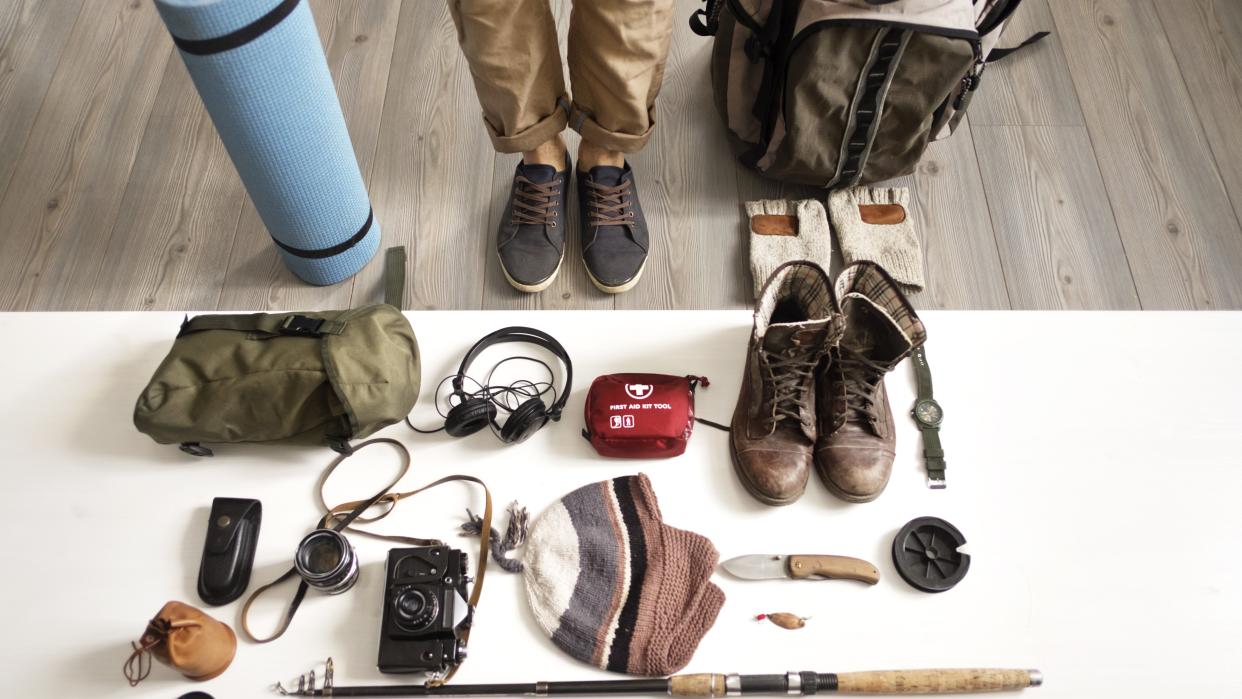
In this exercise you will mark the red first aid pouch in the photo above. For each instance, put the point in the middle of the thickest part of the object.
(640, 416)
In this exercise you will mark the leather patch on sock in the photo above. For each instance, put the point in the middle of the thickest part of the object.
(772, 224)
(882, 214)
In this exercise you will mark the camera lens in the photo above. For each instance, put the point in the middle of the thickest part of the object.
(326, 561)
(415, 609)
(412, 605)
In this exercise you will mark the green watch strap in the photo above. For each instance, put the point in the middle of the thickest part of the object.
(922, 373)
(933, 453)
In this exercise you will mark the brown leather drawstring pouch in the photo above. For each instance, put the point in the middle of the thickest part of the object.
(138, 666)
(342, 517)
(187, 640)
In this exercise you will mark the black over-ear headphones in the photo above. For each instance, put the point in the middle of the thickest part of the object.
(475, 412)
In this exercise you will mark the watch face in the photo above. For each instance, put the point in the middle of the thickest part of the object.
(928, 412)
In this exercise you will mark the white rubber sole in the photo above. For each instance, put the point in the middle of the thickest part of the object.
(618, 289)
(532, 288)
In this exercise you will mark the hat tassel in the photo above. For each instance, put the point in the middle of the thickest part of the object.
(515, 536)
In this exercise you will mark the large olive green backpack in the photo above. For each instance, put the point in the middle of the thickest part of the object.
(837, 93)
(298, 378)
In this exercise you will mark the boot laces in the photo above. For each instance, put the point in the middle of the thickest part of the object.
(609, 205)
(535, 202)
(789, 373)
(860, 379)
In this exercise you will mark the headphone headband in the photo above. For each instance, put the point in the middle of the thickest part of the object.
(533, 336)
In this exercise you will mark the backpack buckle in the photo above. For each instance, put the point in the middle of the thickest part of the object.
(301, 326)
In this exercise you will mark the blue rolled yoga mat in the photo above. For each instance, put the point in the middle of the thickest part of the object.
(263, 77)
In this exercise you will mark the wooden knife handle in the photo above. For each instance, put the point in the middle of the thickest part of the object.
(841, 567)
(936, 681)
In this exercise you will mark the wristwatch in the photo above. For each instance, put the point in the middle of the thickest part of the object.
(928, 415)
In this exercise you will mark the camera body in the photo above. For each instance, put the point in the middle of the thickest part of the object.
(425, 610)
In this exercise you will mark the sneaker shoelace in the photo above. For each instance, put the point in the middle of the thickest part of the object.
(609, 205)
(535, 202)
(860, 377)
(790, 373)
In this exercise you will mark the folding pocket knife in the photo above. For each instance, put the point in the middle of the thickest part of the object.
(766, 567)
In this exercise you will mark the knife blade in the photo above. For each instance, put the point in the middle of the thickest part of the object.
(801, 567)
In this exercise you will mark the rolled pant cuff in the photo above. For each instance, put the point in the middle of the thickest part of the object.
(580, 120)
(530, 137)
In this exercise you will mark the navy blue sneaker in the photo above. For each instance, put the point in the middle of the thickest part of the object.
(531, 239)
(614, 232)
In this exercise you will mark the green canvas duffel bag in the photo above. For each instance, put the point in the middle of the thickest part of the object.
(294, 378)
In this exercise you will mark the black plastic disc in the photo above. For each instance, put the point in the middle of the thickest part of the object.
(925, 554)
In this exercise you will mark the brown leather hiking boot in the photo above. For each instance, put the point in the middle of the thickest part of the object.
(773, 429)
(854, 454)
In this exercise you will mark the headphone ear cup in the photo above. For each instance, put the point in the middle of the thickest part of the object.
(469, 416)
(524, 422)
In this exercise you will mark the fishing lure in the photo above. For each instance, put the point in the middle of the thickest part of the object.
(785, 620)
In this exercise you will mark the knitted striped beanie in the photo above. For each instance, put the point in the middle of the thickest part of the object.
(616, 587)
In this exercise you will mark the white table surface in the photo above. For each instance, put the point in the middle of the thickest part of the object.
(1093, 466)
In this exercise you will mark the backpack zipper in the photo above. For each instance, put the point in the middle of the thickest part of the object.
(970, 81)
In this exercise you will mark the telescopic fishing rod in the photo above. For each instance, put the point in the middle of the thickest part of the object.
(941, 681)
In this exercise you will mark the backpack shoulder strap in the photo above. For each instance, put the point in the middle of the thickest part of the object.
(706, 21)
(1001, 54)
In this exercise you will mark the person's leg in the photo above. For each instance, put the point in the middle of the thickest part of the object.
(617, 50)
(514, 59)
(513, 55)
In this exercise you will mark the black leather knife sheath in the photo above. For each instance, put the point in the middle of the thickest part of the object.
(228, 553)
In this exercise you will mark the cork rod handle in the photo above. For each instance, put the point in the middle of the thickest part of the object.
(935, 681)
(699, 685)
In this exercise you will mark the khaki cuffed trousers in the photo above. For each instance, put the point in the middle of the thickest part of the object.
(617, 50)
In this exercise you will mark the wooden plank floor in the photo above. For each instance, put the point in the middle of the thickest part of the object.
(1100, 169)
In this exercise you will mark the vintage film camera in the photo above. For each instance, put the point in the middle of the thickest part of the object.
(425, 610)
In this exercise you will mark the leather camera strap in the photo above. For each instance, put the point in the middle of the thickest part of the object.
(343, 516)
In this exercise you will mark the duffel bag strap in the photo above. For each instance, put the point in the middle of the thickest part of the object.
(394, 276)
(264, 324)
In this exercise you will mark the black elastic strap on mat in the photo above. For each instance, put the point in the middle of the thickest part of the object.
(240, 37)
(335, 249)
(394, 276)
